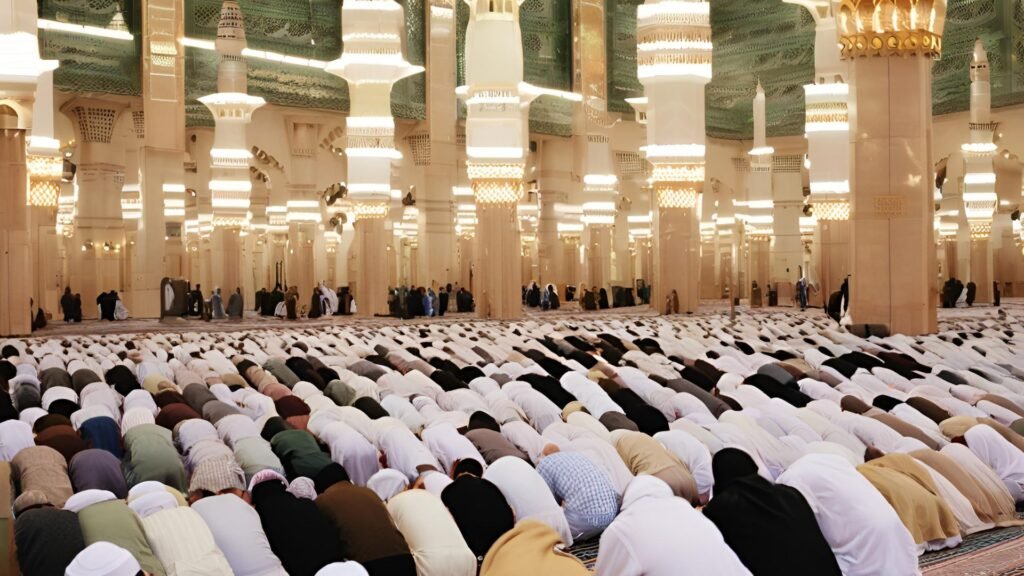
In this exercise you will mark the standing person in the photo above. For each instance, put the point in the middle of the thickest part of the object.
(845, 291)
(801, 290)
(553, 303)
(77, 316)
(291, 302)
(442, 298)
(603, 299)
(196, 301)
(216, 305)
(235, 304)
(120, 310)
(67, 304)
(428, 303)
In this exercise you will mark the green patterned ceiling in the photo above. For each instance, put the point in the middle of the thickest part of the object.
(306, 28)
(754, 39)
(89, 64)
(547, 59)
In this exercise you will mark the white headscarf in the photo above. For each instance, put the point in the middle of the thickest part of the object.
(103, 559)
(350, 568)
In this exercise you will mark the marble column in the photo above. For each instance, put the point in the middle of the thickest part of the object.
(304, 205)
(674, 75)
(45, 168)
(15, 288)
(230, 181)
(436, 238)
(496, 134)
(979, 185)
(95, 264)
(162, 156)
(555, 182)
(22, 68)
(372, 62)
(892, 208)
(828, 148)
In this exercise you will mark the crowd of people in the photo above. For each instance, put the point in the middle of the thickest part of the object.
(413, 302)
(775, 445)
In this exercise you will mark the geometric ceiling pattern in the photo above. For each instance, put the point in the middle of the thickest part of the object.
(766, 40)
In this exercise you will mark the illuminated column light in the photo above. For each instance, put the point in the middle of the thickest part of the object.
(372, 61)
(980, 199)
(759, 218)
(232, 109)
(174, 202)
(599, 183)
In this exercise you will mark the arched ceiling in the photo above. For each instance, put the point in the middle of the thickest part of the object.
(754, 39)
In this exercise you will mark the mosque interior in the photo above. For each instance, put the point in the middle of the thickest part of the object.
(781, 235)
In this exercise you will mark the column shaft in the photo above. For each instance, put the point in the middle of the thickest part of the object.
(15, 286)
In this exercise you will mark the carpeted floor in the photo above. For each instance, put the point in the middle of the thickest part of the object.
(992, 553)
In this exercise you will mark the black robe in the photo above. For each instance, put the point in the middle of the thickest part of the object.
(771, 528)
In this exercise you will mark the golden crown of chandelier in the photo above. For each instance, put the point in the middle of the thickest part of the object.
(890, 27)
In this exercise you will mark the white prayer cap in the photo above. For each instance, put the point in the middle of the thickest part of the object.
(58, 393)
(136, 417)
(436, 482)
(387, 482)
(266, 475)
(147, 487)
(30, 415)
(103, 559)
(152, 502)
(304, 390)
(303, 487)
(349, 568)
(86, 498)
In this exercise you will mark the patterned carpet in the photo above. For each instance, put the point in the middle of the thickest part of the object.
(993, 553)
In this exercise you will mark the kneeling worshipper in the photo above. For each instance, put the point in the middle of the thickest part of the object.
(528, 494)
(530, 548)
(178, 535)
(584, 491)
(43, 469)
(909, 489)
(299, 534)
(433, 537)
(770, 527)
(96, 469)
(1004, 458)
(362, 525)
(645, 455)
(47, 539)
(991, 501)
(478, 507)
(104, 558)
(150, 455)
(105, 518)
(236, 529)
(865, 533)
(658, 534)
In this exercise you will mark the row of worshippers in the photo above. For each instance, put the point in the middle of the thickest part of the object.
(765, 403)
